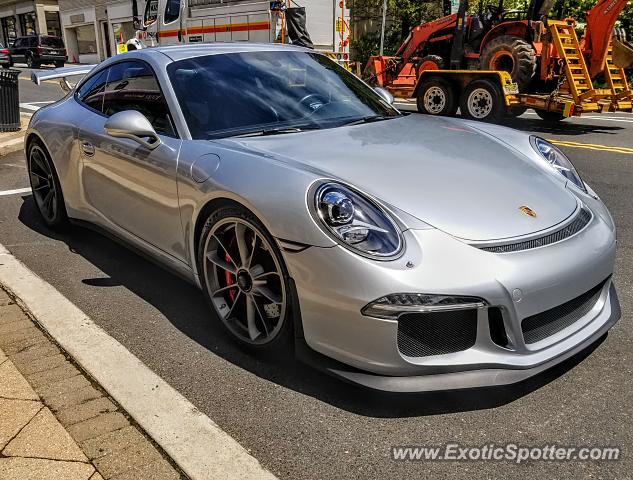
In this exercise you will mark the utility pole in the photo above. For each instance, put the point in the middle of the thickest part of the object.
(382, 30)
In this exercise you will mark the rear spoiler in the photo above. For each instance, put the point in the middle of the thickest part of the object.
(62, 74)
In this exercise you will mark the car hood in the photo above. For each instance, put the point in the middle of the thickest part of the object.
(442, 171)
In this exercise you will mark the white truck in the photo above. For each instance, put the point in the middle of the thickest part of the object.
(174, 22)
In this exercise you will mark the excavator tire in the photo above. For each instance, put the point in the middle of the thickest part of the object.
(513, 55)
(430, 62)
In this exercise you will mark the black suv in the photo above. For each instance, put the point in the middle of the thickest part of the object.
(5, 59)
(34, 50)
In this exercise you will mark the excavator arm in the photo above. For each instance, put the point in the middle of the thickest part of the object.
(600, 22)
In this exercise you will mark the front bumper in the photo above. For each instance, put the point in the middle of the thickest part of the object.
(52, 58)
(333, 285)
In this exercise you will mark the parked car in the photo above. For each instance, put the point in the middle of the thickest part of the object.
(5, 57)
(36, 50)
(400, 252)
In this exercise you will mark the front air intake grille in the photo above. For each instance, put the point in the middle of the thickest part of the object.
(581, 221)
(547, 323)
(436, 333)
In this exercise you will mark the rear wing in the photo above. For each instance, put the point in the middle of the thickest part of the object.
(62, 74)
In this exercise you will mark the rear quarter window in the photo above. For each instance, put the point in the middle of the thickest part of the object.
(54, 42)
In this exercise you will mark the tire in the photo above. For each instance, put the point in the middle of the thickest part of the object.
(6, 66)
(221, 265)
(482, 100)
(59, 64)
(431, 62)
(44, 182)
(29, 60)
(437, 97)
(513, 55)
(516, 111)
(550, 116)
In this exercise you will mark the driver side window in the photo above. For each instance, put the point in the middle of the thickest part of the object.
(151, 12)
(133, 86)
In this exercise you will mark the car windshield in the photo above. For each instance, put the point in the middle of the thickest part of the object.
(270, 92)
(54, 42)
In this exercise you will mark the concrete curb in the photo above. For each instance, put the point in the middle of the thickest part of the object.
(12, 142)
(193, 441)
(11, 145)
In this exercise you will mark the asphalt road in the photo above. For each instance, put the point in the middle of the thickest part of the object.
(302, 424)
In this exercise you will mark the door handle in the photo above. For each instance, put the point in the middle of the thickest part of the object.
(88, 149)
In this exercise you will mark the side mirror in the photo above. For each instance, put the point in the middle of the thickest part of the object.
(133, 125)
(386, 96)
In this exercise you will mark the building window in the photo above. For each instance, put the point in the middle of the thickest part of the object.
(86, 40)
(27, 23)
(53, 25)
(7, 30)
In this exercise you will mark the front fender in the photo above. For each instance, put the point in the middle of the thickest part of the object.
(274, 191)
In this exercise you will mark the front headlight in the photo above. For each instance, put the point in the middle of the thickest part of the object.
(558, 161)
(357, 222)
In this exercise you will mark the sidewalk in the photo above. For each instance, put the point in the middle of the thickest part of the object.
(55, 422)
(13, 141)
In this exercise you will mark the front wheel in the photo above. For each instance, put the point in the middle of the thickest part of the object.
(245, 279)
(482, 100)
(47, 190)
(550, 116)
(59, 64)
(436, 97)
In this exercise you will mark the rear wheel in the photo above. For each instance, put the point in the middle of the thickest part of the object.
(482, 100)
(47, 191)
(550, 116)
(513, 55)
(436, 97)
(245, 279)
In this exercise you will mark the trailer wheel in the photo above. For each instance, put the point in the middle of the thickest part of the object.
(550, 116)
(482, 100)
(513, 55)
(514, 112)
(437, 97)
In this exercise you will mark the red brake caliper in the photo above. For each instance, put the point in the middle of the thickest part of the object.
(230, 279)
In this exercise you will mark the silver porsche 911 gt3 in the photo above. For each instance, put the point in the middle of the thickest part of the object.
(400, 252)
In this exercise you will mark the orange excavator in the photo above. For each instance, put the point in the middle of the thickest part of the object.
(546, 62)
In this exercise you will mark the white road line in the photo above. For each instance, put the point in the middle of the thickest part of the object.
(189, 437)
(607, 119)
(17, 191)
(34, 106)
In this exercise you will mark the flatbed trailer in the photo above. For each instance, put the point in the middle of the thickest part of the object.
(489, 95)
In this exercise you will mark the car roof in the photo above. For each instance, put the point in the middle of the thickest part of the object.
(181, 52)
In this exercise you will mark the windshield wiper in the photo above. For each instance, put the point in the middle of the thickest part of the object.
(273, 131)
(369, 119)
